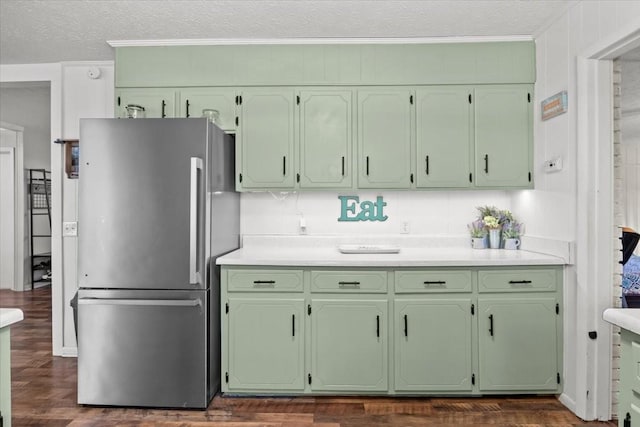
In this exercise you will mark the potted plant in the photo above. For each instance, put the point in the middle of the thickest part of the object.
(493, 225)
(511, 232)
(478, 234)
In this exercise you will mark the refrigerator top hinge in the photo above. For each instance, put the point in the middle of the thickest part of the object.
(226, 377)
(226, 306)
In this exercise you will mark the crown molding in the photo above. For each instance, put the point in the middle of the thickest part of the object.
(315, 41)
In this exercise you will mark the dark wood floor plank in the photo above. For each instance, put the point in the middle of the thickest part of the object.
(44, 395)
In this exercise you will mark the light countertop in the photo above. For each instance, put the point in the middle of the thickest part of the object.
(9, 316)
(325, 253)
(626, 318)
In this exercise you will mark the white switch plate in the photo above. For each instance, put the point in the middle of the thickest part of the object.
(70, 228)
(406, 227)
(553, 165)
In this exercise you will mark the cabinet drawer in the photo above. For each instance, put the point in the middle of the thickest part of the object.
(433, 281)
(265, 280)
(349, 281)
(517, 280)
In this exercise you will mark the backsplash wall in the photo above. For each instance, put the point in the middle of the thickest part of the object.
(441, 213)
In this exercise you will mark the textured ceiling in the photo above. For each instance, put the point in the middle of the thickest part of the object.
(35, 31)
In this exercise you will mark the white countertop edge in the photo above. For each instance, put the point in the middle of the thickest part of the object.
(625, 318)
(9, 316)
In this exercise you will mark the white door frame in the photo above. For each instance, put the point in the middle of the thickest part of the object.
(19, 205)
(596, 232)
(51, 73)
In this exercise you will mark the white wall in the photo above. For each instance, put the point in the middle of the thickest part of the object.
(437, 213)
(83, 97)
(550, 211)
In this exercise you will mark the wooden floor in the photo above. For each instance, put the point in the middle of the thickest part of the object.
(44, 394)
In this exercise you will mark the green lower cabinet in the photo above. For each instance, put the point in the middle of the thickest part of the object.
(349, 345)
(518, 344)
(157, 102)
(266, 344)
(433, 345)
(629, 395)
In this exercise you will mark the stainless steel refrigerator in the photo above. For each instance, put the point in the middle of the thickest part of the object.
(156, 207)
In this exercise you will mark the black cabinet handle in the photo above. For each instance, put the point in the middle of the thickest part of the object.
(426, 161)
(411, 178)
(187, 107)
(491, 324)
(284, 165)
(264, 282)
(406, 326)
(293, 325)
(627, 420)
(435, 282)
(367, 165)
(486, 163)
(378, 326)
(519, 282)
(164, 104)
(342, 165)
(344, 284)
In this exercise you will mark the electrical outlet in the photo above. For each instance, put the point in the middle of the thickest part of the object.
(70, 228)
(302, 226)
(553, 165)
(406, 227)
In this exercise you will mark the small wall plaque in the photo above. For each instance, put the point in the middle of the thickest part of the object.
(554, 105)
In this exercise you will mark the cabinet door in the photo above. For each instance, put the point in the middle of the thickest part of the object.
(349, 345)
(157, 102)
(433, 344)
(503, 132)
(193, 101)
(325, 139)
(266, 344)
(266, 139)
(444, 137)
(384, 138)
(518, 344)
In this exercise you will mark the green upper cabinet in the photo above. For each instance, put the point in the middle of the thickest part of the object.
(433, 344)
(157, 102)
(191, 102)
(384, 138)
(348, 345)
(503, 136)
(265, 139)
(518, 340)
(325, 138)
(266, 344)
(444, 137)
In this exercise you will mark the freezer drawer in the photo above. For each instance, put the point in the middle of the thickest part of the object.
(143, 348)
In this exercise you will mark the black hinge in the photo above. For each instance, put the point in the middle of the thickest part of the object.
(118, 101)
(309, 378)
(473, 309)
(226, 376)
(627, 420)
(469, 98)
(529, 97)
(411, 99)
(298, 99)
(473, 379)
(226, 308)
(309, 309)
(558, 377)
(529, 176)
(237, 121)
(557, 308)
(297, 177)
(240, 177)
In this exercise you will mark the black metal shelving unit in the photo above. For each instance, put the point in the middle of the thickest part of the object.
(39, 205)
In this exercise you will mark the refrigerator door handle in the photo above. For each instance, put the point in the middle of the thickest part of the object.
(194, 273)
(142, 302)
